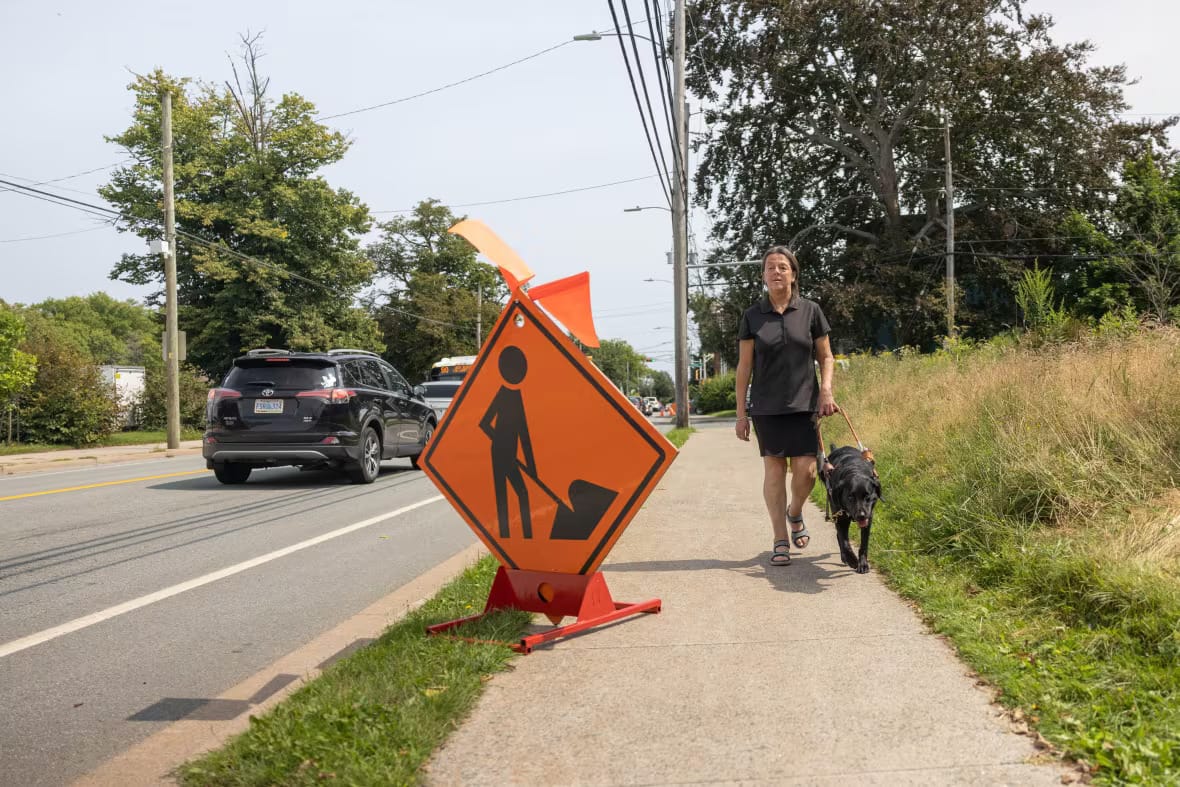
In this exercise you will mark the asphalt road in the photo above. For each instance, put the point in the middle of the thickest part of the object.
(103, 643)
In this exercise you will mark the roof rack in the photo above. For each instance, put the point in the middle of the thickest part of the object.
(349, 351)
(264, 351)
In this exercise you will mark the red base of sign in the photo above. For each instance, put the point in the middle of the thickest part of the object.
(584, 596)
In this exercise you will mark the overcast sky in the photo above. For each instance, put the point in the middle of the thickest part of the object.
(563, 120)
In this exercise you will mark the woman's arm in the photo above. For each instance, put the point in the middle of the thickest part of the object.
(827, 367)
(744, 368)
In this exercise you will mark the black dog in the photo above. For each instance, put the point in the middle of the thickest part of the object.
(853, 489)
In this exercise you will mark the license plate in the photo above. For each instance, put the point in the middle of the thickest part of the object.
(268, 405)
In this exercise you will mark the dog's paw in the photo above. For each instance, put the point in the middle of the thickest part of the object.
(850, 560)
(862, 566)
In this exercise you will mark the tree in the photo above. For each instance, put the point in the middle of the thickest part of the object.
(619, 361)
(68, 402)
(110, 331)
(428, 310)
(18, 369)
(270, 252)
(662, 386)
(826, 134)
(1137, 245)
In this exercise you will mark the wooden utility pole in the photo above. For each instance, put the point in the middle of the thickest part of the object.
(171, 338)
(680, 216)
(950, 234)
(479, 317)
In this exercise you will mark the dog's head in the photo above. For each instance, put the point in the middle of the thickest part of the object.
(854, 485)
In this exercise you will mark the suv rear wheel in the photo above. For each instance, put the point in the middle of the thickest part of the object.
(425, 441)
(369, 467)
(231, 473)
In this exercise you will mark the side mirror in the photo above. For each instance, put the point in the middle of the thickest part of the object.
(420, 390)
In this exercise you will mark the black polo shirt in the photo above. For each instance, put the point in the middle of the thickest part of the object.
(784, 355)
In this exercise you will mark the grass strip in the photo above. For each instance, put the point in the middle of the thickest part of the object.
(679, 436)
(115, 439)
(376, 716)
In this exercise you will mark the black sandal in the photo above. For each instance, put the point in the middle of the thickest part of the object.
(796, 535)
(781, 555)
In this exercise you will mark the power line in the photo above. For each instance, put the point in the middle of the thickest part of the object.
(639, 105)
(55, 235)
(528, 197)
(65, 177)
(443, 87)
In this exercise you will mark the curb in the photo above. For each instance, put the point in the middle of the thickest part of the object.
(73, 462)
(151, 761)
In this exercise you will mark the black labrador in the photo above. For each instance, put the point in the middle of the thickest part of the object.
(853, 489)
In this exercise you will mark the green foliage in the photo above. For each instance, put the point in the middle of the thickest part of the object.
(108, 330)
(68, 402)
(376, 716)
(662, 386)
(151, 411)
(18, 369)
(717, 393)
(1034, 298)
(825, 120)
(619, 361)
(430, 311)
(246, 183)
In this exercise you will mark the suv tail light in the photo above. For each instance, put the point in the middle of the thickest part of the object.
(330, 395)
(217, 394)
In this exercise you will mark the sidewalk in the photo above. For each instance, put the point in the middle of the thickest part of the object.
(72, 458)
(807, 674)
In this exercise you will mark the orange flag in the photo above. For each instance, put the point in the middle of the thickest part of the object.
(512, 267)
(568, 301)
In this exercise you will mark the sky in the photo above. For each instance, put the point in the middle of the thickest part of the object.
(560, 121)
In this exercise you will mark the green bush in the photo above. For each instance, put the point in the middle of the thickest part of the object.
(69, 402)
(152, 407)
(717, 393)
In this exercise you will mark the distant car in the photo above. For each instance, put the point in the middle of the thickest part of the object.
(341, 409)
(637, 401)
(438, 394)
(651, 405)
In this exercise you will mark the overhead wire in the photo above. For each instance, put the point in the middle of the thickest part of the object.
(656, 159)
(528, 197)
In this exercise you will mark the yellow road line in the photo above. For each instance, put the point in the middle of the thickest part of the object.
(104, 483)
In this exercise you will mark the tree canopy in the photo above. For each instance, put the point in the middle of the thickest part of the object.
(270, 252)
(826, 132)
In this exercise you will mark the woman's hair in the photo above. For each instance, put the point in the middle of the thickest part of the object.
(790, 255)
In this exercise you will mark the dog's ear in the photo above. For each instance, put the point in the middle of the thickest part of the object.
(877, 487)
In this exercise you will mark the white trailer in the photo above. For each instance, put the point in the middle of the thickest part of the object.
(126, 386)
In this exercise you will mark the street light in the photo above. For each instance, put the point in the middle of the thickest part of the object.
(638, 208)
(594, 35)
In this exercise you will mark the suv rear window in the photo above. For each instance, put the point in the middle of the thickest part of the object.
(289, 374)
(441, 390)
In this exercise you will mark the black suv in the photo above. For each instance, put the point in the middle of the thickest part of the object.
(342, 409)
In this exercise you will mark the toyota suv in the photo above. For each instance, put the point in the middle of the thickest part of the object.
(342, 409)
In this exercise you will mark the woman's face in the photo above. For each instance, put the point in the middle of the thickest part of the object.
(777, 273)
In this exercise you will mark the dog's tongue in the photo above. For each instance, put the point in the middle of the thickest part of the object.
(863, 521)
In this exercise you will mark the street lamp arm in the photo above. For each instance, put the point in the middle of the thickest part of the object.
(638, 208)
(594, 35)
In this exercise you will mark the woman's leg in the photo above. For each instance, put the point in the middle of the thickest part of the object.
(802, 482)
(774, 492)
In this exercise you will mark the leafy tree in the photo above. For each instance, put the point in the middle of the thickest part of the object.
(68, 403)
(429, 309)
(271, 252)
(1137, 243)
(619, 361)
(662, 386)
(826, 121)
(152, 407)
(111, 331)
(18, 369)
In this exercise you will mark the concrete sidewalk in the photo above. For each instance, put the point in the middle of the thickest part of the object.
(806, 674)
(72, 458)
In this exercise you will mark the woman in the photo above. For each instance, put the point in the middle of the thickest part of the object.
(779, 340)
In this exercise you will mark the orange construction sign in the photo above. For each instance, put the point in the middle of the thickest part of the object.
(540, 453)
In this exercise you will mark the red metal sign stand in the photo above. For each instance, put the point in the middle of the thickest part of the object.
(555, 595)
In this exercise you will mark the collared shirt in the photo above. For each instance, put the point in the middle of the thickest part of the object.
(784, 355)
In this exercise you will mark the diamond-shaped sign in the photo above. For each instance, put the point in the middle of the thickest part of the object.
(540, 453)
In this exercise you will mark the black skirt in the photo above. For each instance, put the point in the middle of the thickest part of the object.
(787, 435)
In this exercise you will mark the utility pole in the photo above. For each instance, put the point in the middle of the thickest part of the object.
(479, 317)
(171, 338)
(679, 217)
(950, 233)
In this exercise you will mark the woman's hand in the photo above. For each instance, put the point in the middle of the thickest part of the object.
(827, 404)
(742, 429)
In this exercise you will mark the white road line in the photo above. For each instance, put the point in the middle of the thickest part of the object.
(17, 645)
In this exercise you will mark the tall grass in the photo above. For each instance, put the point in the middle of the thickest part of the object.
(1033, 513)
